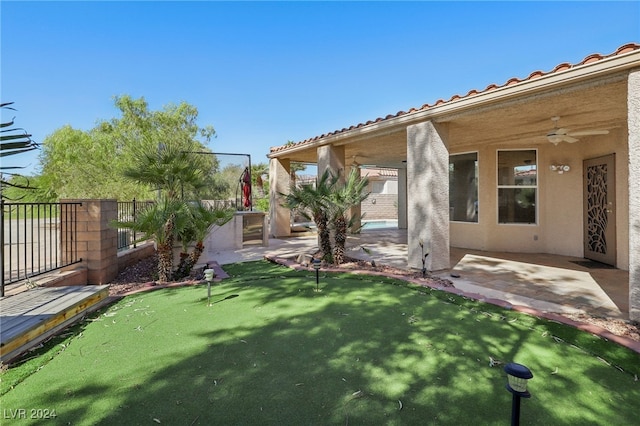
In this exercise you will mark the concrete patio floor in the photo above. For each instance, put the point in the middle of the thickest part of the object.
(545, 282)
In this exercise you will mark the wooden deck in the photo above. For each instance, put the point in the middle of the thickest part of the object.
(30, 317)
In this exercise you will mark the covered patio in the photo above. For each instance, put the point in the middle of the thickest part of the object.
(550, 283)
(538, 166)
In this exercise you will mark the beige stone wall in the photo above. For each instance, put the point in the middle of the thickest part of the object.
(380, 206)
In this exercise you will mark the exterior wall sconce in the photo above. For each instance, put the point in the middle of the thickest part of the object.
(559, 168)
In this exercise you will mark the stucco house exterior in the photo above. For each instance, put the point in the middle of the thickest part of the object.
(545, 164)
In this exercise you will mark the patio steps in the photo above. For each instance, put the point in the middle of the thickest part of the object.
(33, 316)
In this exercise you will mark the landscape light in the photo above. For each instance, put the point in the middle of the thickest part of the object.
(517, 377)
(316, 263)
(208, 276)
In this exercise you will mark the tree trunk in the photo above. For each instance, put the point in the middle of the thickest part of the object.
(165, 252)
(340, 240)
(194, 256)
(165, 261)
(325, 236)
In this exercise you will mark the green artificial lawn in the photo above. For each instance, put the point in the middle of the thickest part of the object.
(273, 351)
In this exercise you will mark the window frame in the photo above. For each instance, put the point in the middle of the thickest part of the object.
(535, 187)
(477, 177)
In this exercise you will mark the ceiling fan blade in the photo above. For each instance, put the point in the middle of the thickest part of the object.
(589, 133)
(557, 132)
(569, 139)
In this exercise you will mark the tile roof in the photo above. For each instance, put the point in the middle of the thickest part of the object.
(536, 74)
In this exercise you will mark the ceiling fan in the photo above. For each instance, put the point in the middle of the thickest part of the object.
(558, 135)
(355, 163)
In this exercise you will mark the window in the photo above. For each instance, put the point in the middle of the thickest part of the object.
(463, 187)
(377, 187)
(517, 186)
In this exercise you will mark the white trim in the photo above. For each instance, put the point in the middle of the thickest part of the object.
(477, 187)
(536, 187)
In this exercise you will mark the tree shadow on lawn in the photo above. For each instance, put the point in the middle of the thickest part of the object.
(361, 351)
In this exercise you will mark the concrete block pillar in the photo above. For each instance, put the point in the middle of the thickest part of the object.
(633, 111)
(279, 183)
(95, 239)
(427, 197)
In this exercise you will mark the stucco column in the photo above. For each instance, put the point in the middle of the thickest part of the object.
(633, 108)
(279, 182)
(331, 158)
(355, 212)
(402, 198)
(427, 197)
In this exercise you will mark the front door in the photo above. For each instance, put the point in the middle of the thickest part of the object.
(600, 209)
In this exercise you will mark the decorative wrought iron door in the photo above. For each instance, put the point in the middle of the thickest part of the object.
(600, 209)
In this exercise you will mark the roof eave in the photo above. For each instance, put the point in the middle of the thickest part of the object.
(571, 75)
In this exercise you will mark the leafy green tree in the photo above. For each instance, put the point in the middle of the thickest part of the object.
(13, 141)
(91, 164)
(260, 183)
(79, 164)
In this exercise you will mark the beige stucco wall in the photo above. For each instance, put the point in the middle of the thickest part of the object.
(560, 201)
(279, 180)
(634, 194)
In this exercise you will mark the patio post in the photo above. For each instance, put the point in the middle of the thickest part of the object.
(633, 111)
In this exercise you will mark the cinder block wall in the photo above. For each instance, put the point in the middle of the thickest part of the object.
(96, 242)
(380, 206)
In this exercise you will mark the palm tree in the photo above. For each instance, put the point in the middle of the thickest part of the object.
(194, 227)
(314, 204)
(13, 141)
(342, 198)
(157, 221)
(174, 170)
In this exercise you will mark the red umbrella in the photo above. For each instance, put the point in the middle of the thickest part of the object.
(246, 188)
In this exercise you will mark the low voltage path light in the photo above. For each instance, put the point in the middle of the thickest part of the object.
(316, 265)
(208, 275)
(517, 377)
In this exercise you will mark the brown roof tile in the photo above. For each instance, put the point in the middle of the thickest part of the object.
(514, 80)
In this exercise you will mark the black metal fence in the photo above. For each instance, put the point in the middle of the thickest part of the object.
(37, 238)
(128, 212)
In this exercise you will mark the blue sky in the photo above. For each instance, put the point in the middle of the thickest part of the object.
(263, 73)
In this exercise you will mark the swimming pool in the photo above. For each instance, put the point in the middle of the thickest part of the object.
(379, 224)
(366, 224)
